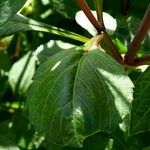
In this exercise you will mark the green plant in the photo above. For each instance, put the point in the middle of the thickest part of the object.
(90, 97)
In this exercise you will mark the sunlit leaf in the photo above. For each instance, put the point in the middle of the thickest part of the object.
(21, 23)
(21, 74)
(76, 93)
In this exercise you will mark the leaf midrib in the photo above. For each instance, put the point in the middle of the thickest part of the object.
(73, 97)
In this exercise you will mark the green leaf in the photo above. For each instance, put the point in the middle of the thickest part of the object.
(17, 132)
(50, 146)
(120, 46)
(119, 140)
(8, 9)
(76, 94)
(22, 129)
(44, 51)
(21, 23)
(141, 105)
(7, 137)
(5, 62)
(95, 142)
(21, 74)
(6, 143)
(99, 9)
(5, 65)
(146, 148)
(98, 142)
(3, 81)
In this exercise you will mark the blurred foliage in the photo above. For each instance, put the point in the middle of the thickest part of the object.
(21, 53)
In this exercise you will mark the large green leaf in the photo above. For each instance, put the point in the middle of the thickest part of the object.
(76, 94)
(141, 104)
(21, 23)
(8, 9)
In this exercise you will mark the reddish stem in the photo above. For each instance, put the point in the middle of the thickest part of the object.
(108, 45)
(136, 43)
(83, 5)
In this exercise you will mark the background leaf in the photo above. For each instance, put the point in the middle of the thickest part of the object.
(141, 104)
(7, 137)
(63, 7)
(21, 73)
(5, 66)
(5, 62)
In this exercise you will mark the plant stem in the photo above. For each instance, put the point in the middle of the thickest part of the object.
(61, 32)
(83, 5)
(39, 26)
(99, 10)
(69, 34)
(144, 60)
(107, 44)
(30, 24)
(136, 43)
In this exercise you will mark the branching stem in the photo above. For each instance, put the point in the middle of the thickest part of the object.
(106, 42)
(136, 43)
(83, 5)
(108, 45)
